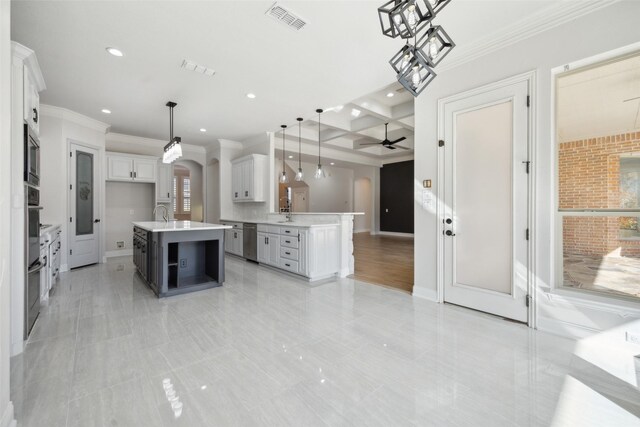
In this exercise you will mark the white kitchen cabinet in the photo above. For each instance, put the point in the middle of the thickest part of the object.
(27, 82)
(31, 105)
(249, 178)
(123, 167)
(233, 238)
(164, 184)
(269, 248)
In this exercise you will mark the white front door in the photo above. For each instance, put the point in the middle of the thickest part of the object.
(84, 221)
(485, 219)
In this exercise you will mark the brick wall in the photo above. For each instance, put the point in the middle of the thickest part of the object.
(589, 177)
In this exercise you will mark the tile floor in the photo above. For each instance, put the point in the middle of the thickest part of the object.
(269, 350)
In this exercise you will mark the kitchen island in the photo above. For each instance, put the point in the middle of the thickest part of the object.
(177, 257)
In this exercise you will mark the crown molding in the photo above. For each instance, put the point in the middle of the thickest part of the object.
(28, 57)
(151, 142)
(543, 20)
(72, 116)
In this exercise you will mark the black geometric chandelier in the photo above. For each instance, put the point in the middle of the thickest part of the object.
(412, 19)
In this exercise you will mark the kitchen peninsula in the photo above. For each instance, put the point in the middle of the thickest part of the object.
(177, 257)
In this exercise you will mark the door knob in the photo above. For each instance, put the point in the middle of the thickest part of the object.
(449, 233)
(96, 220)
(448, 221)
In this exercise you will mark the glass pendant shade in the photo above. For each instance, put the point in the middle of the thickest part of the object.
(411, 17)
(434, 45)
(299, 175)
(319, 173)
(284, 179)
(417, 76)
(173, 150)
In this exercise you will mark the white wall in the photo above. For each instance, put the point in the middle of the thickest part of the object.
(6, 407)
(126, 202)
(362, 202)
(331, 194)
(213, 192)
(572, 41)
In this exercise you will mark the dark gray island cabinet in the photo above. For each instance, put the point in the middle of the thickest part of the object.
(177, 257)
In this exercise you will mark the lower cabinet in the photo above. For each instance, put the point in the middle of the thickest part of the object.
(269, 248)
(233, 241)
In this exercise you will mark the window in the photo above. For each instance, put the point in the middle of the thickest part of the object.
(182, 193)
(599, 178)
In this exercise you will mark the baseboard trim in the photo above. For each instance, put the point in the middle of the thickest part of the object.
(394, 234)
(565, 329)
(121, 252)
(7, 416)
(428, 294)
(64, 268)
(362, 231)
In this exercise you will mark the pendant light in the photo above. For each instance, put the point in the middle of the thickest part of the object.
(173, 150)
(319, 172)
(299, 174)
(284, 179)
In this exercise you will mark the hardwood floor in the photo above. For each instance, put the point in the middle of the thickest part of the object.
(384, 260)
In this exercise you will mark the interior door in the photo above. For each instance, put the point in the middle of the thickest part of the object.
(300, 201)
(84, 226)
(485, 224)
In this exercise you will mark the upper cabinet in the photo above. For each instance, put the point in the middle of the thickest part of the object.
(249, 178)
(164, 184)
(28, 82)
(126, 167)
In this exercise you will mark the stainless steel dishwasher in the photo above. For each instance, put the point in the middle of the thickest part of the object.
(250, 241)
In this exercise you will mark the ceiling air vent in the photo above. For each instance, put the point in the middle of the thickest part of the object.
(201, 69)
(285, 17)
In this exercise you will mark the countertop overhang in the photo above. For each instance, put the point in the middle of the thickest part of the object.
(300, 224)
(161, 226)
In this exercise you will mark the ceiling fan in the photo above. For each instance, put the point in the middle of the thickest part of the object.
(388, 144)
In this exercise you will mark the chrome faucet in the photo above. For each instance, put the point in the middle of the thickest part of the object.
(289, 213)
(165, 215)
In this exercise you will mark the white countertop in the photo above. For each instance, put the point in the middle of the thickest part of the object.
(303, 224)
(50, 228)
(161, 226)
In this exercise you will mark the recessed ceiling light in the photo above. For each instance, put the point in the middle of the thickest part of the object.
(338, 108)
(291, 157)
(104, 110)
(251, 95)
(332, 163)
(390, 95)
(355, 112)
(115, 52)
(203, 130)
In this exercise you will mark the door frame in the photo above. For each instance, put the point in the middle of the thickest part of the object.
(530, 78)
(101, 191)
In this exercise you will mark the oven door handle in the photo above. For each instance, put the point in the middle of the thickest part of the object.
(36, 268)
(35, 207)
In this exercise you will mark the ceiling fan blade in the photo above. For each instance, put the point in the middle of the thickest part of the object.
(398, 140)
(390, 147)
(400, 146)
(371, 143)
(631, 99)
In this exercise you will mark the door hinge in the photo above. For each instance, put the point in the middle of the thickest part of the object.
(527, 300)
(70, 153)
(70, 251)
(527, 164)
(526, 233)
(528, 101)
(70, 186)
(70, 219)
(441, 143)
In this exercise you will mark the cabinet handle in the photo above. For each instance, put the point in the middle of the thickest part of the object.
(135, 174)
(267, 240)
(130, 174)
(236, 194)
(35, 115)
(246, 193)
(288, 253)
(288, 241)
(288, 265)
(168, 196)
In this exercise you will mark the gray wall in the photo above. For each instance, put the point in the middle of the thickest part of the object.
(126, 202)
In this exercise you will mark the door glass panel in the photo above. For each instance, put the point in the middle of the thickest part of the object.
(483, 198)
(84, 193)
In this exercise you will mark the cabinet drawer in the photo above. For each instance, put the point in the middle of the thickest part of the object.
(287, 264)
(288, 231)
(290, 242)
(289, 253)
